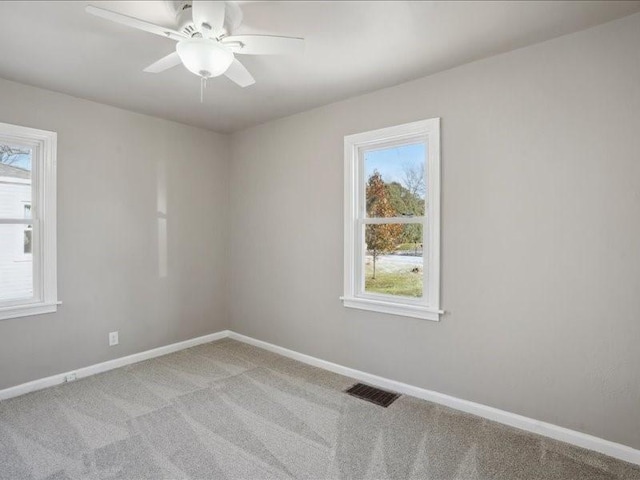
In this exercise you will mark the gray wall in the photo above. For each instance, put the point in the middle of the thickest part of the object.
(112, 167)
(540, 234)
(540, 266)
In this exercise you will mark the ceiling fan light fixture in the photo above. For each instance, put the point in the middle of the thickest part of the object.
(204, 57)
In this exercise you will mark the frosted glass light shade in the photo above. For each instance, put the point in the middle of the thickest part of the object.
(206, 58)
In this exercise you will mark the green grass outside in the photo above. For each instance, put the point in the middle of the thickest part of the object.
(407, 283)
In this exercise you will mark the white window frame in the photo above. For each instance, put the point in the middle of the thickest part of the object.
(427, 307)
(21, 256)
(43, 220)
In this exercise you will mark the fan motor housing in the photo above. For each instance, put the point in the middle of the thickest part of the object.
(184, 19)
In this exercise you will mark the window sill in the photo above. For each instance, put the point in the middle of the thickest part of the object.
(26, 310)
(404, 310)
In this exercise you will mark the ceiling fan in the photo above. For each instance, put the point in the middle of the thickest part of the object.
(204, 44)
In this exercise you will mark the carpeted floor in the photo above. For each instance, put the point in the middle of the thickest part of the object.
(226, 410)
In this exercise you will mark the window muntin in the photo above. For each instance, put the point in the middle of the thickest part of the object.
(392, 220)
(27, 221)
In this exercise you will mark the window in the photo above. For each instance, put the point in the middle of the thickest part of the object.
(392, 220)
(28, 232)
(27, 221)
(24, 243)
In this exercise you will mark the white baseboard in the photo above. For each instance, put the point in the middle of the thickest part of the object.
(108, 365)
(549, 430)
(590, 442)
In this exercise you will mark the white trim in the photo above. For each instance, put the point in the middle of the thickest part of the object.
(109, 365)
(43, 212)
(590, 442)
(393, 308)
(583, 440)
(24, 309)
(428, 306)
(433, 184)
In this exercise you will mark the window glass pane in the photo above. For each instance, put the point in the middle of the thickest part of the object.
(28, 231)
(15, 181)
(395, 181)
(16, 268)
(394, 259)
(28, 246)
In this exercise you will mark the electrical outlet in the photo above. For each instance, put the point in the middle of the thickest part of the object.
(113, 339)
(70, 377)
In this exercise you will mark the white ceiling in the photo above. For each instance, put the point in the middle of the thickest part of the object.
(351, 48)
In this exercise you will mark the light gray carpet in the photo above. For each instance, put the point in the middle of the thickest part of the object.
(226, 410)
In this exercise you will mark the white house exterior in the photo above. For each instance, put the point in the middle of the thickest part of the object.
(16, 265)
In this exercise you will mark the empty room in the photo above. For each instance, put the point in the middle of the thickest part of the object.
(320, 240)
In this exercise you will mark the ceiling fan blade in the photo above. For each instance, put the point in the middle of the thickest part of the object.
(239, 74)
(264, 44)
(165, 63)
(135, 23)
(209, 14)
